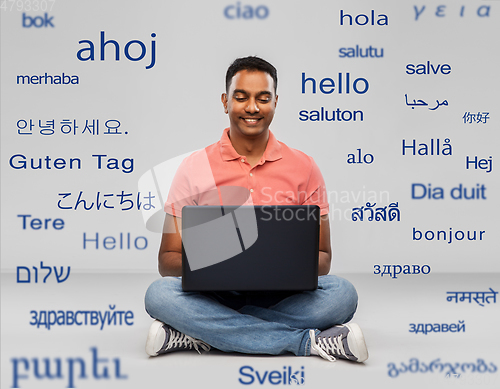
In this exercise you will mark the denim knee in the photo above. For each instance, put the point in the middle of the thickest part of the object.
(159, 293)
(350, 298)
(343, 297)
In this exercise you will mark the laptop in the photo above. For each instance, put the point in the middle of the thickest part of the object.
(250, 248)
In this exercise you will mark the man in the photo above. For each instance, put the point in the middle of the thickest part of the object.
(249, 156)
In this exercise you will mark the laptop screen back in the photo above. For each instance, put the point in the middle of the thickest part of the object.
(250, 248)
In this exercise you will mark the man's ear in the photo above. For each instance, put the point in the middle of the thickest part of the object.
(276, 101)
(223, 98)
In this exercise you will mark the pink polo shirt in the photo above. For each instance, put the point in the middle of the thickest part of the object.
(218, 175)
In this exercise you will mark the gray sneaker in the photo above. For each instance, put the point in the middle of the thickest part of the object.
(164, 339)
(344, 341)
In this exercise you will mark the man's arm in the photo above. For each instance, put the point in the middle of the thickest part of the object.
(325, 249)
(170, 254)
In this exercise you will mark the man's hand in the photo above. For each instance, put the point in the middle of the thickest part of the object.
(325, 249)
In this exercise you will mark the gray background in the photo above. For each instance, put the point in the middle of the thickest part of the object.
(175, 108)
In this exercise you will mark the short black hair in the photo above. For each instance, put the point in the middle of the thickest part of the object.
(251, 63)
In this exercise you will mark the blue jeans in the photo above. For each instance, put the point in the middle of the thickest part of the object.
(270, 323)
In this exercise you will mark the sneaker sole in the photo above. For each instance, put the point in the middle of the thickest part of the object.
(356, 342)
(155, 341)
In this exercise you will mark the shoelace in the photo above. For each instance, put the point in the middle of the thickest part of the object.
(178, 339)
(327, 346)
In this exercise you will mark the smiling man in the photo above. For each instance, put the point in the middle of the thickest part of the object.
(250, 102)
(249, 156)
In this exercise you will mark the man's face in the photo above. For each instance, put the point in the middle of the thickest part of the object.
(250, 102)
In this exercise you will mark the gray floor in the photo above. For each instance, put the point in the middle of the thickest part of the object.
(387, 307)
